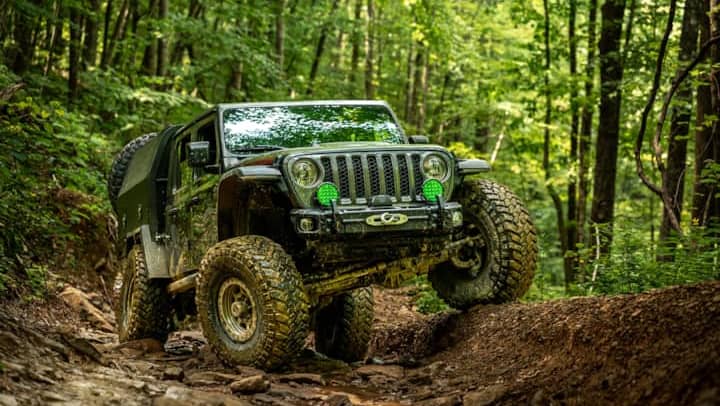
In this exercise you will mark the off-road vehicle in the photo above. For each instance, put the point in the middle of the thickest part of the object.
(278, 218)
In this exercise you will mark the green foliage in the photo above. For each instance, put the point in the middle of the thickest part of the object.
(426, 299)
(636, 265)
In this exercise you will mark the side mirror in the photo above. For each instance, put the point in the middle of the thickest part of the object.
(198, 154)
(419, 139)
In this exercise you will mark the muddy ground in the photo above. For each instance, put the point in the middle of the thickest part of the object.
(661, 347)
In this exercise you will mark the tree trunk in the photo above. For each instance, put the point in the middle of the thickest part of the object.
(162, 41)
(425, 86)
(356, 36)
(117, 33)
(320, 49)
(149, 61)
(56, 42)
(571, 224)
(280, 35)
(23, 36)
(674, 177)
(409, 83)
(546, 141)
(706, 206)
(232, 91)
(611, 72)
(369, 52)
(104, 56)
(90, 41)
(74, 54)
(586, 126)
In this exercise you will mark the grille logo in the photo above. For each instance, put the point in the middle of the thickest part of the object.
(386, 219)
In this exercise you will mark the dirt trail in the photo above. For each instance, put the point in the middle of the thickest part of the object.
(661, 347)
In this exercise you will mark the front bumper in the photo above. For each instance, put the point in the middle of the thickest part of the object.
(322, 222)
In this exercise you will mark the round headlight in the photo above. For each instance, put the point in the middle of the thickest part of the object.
(305, 172)
(435, 167)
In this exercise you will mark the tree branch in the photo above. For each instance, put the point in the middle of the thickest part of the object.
(653, 95)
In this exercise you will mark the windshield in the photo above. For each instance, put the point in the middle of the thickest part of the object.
(253, 128)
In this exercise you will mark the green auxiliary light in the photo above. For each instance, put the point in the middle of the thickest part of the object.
(326, 193)
(431, 189)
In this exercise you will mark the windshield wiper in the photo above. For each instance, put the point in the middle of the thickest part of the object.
(260, 148)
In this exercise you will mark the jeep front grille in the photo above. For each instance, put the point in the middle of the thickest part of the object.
(360, 176)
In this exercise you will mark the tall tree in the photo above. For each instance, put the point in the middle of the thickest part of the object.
(370, 52)
(572, 211)
(74, 56)
(674, 176)
(586, 125)
(706, 205)
(606, 148)
(162, 46)
(90, 40)
(320, 48)
(280, 34)
(554, 195)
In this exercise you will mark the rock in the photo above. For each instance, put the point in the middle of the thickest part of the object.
(9, 340)
(84, 346)
(173, 374)
(251, 384)
(265, 399)
(185, 342)
(210, 378)
(441, 401)
(178, 396)
(484, 397)
(337, 399)
(53, 397)
(288, 393)
(304, 378)
(144, 345)
(393, 371)
(7, 400)
(81, 303)
(248, 371)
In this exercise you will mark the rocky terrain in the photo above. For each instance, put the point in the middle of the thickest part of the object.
(661, 347)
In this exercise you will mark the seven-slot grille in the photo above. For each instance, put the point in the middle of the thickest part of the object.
(360, 176)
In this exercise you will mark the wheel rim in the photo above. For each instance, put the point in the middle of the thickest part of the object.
(237, 310)
(475, 256)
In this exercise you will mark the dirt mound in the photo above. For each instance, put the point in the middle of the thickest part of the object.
(661, 347)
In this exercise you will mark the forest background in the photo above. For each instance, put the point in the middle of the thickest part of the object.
(601, 115)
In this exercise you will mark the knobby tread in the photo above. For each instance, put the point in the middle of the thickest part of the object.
(513, 254)
(281, 299)
(343, 328)
(120, 166)
(150, 313)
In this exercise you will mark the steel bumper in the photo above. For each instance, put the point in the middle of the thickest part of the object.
(335, 220)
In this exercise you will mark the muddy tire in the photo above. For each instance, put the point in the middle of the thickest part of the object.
(251, 303)
(501, 267)
(343, 328)
(143, 307)
(120, 165)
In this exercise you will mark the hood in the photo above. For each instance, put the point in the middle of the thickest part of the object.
(267, 158)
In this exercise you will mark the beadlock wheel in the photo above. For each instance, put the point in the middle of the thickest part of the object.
(237, 310)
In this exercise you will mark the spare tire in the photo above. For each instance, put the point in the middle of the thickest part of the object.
(120, 165)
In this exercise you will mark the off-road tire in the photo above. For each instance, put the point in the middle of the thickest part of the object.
(506, 267)
(143, 306)
(343, 327)
(282, 304)
(120, 165)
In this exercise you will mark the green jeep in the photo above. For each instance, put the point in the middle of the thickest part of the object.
(271, 219)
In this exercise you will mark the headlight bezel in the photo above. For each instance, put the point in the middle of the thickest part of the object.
(318, 173)
(446, 167)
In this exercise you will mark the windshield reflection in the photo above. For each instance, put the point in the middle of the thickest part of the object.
(252, 128)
